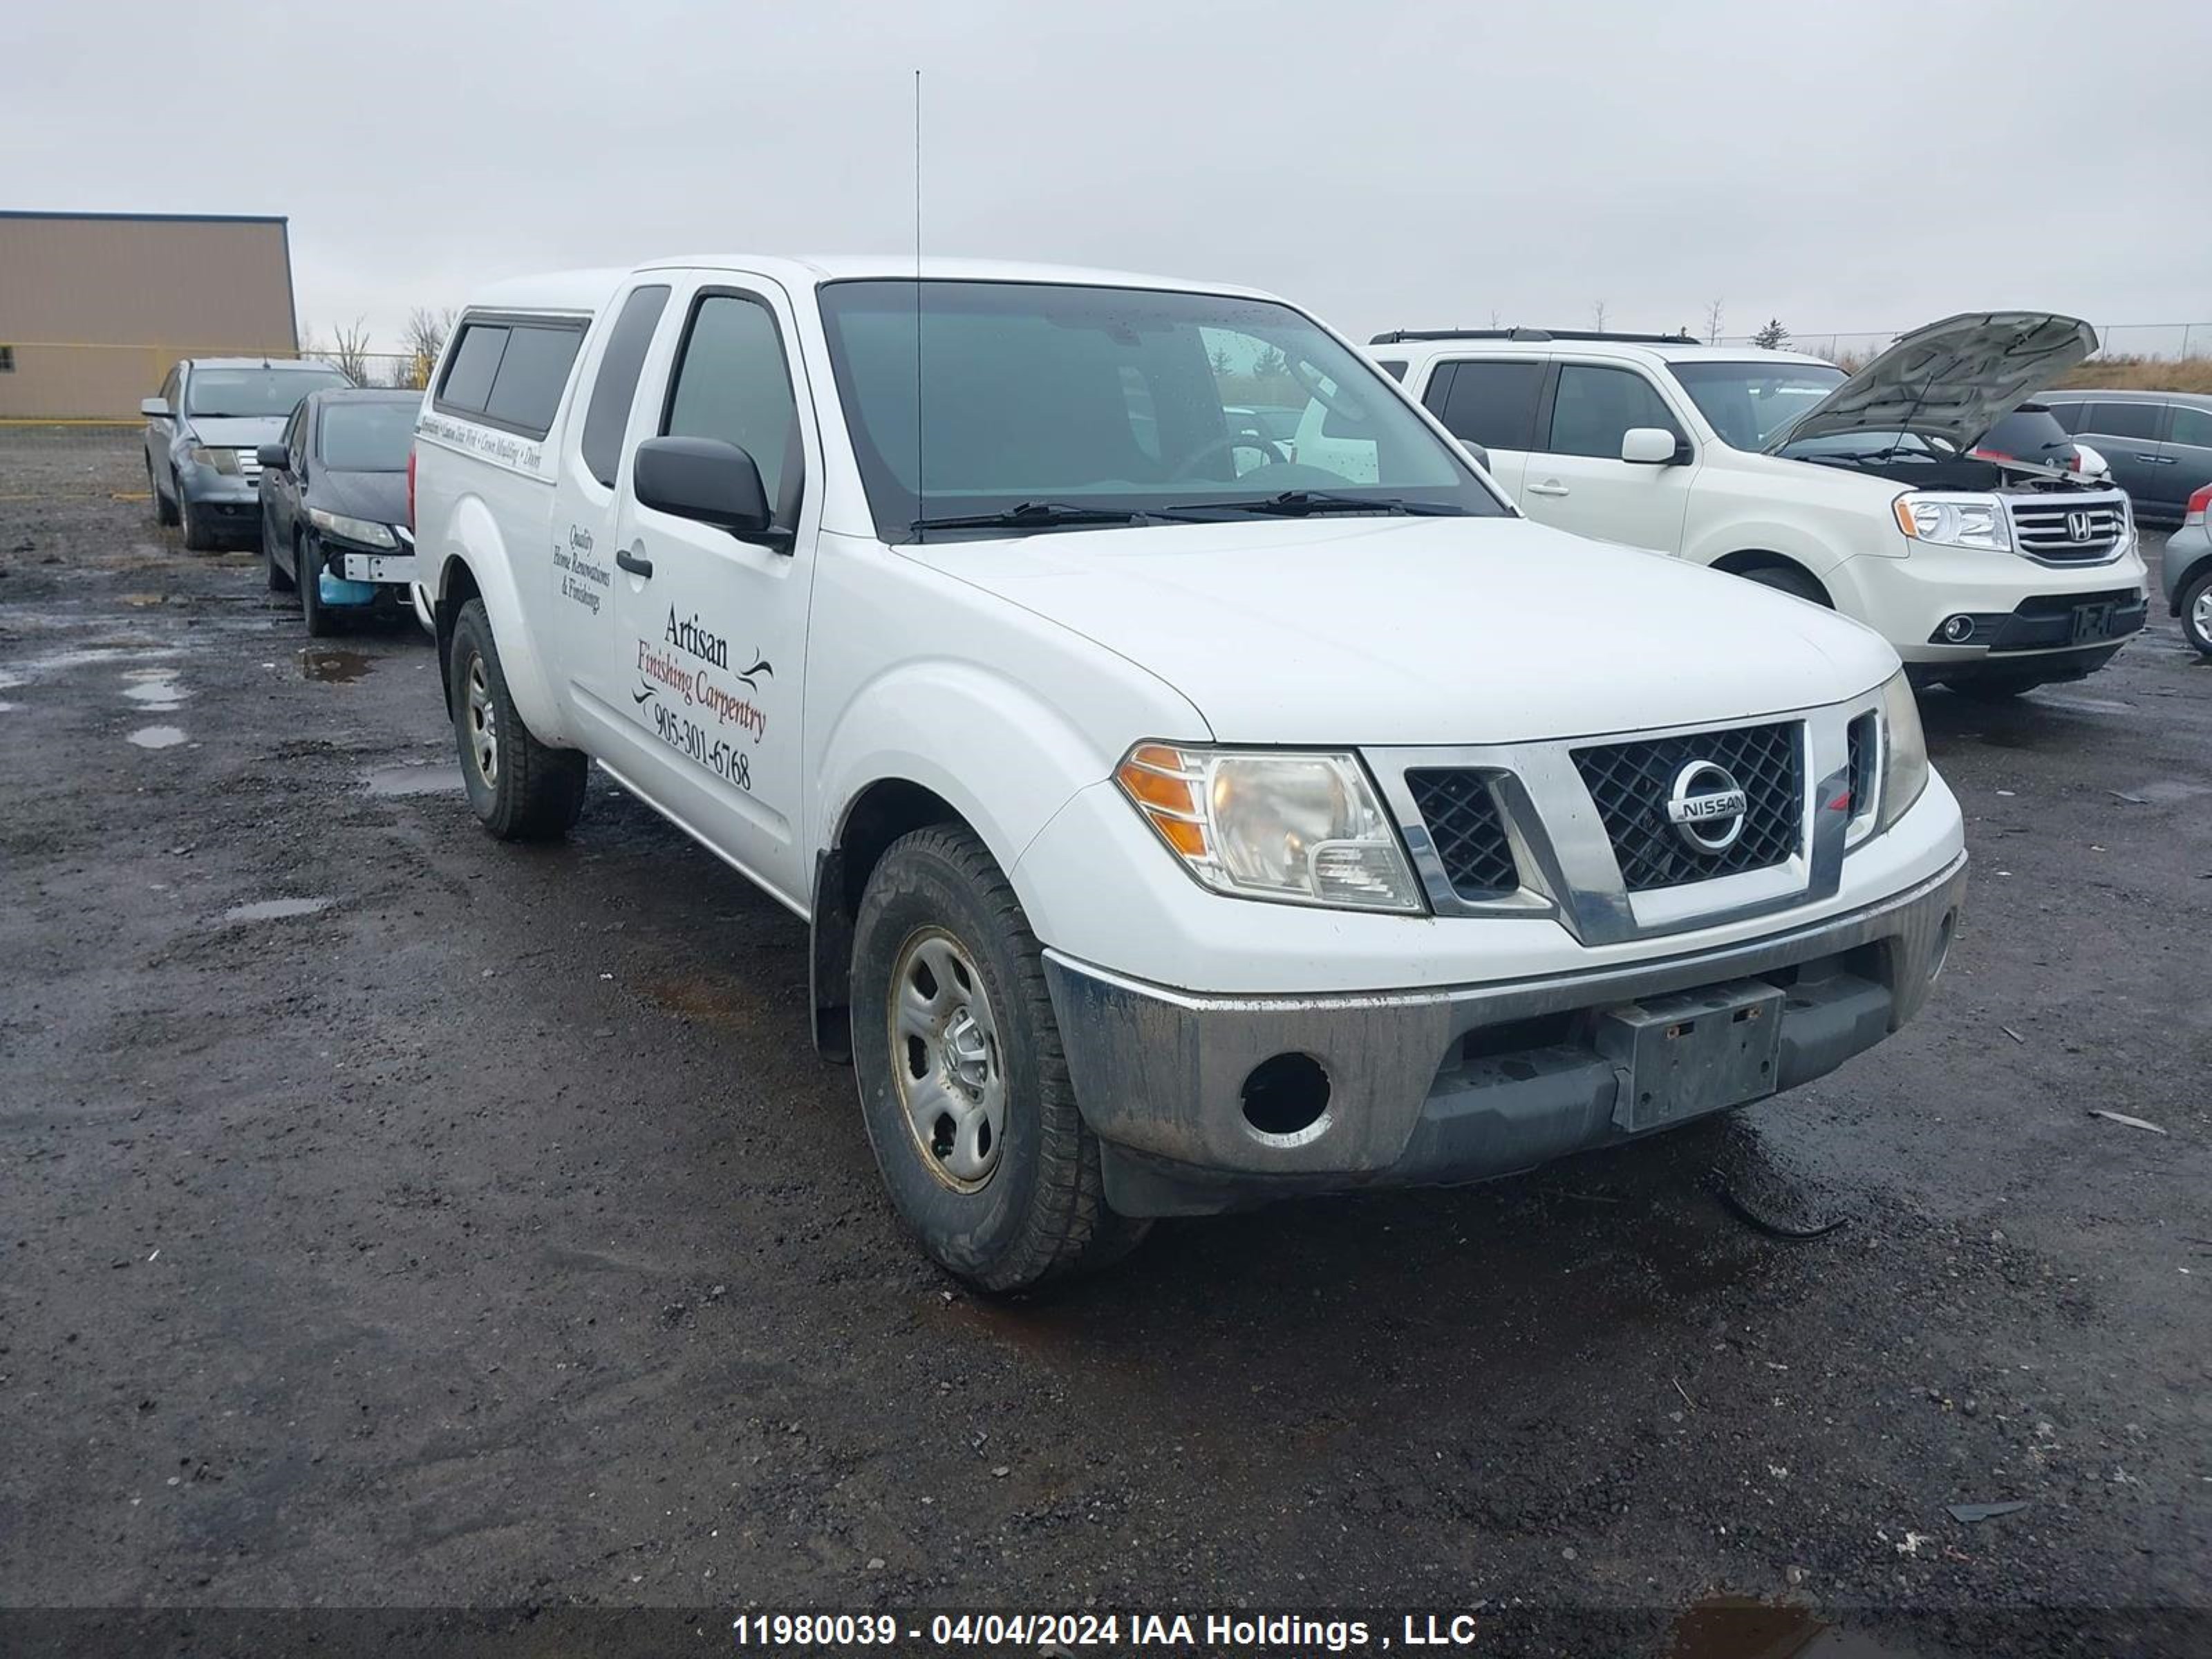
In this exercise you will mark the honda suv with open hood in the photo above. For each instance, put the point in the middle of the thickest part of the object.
(1177, 824)
(1988, 572)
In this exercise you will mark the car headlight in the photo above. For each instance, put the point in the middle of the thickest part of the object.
(1296, 828)
(368, 531)
(1955, 521)
(1904, 750)
(215, 460)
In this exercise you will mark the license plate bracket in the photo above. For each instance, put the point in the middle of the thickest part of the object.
(1683, 1055)
(2093, 622)
(379, 567)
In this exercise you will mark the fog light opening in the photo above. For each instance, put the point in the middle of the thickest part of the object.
(1942, 950)
(1286, 1098)
(1957, 630)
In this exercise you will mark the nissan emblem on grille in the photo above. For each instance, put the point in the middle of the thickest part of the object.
(1706, 807)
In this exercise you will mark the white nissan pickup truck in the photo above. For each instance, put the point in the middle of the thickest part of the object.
(1178, 825)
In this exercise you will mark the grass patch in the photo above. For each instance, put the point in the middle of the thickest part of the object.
(2143, 373)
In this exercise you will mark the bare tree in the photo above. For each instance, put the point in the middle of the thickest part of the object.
(425, 336)
(1493, 316)
(1597, 315)
(349, 352)
(1713, 324)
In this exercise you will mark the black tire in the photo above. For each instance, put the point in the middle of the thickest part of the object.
(530, 791)
(199, 533)
(320, 623)
(1788, 578)
(279, 581)
(1039, 1211)
(164, 510)
(2196, 612)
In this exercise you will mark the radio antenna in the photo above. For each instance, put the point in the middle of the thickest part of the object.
(920, 486)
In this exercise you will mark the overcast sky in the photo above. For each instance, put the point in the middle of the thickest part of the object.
(1841, 168)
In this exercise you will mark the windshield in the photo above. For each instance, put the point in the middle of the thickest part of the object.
(2031, 433)
(215, 392)
(1748, 403)
(1092, 405)
(366, 437)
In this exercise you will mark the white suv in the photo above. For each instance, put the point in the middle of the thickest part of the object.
(1176, 824)
(1862, 493)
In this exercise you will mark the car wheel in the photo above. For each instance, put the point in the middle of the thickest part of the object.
(2196, 613)
(279, 581)
(1787, 579)
(199, 534)
(307, 572)
(164, 510)
(520, 789)
(964, 1087)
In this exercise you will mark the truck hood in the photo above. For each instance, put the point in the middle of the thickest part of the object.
(1432, 631)
(235, 431)
(1952, 379)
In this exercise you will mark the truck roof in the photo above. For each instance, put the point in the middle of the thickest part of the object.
(1482, 342)
(588, 289)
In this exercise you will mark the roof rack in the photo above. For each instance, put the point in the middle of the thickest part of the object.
(1401, 335)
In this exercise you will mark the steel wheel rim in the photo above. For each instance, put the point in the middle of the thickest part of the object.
(945, 1059)
(484, 724)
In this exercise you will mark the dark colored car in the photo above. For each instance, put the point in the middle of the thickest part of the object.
(334, 504)
(202, 432)
(2030, 435)
(2159, 444)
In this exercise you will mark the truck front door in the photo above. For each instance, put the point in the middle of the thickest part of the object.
(711, 630)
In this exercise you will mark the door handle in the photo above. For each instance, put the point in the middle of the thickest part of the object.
(636, 563)
(1550, 486)
(2147, 461)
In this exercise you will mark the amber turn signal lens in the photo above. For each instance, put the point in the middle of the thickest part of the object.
(1164, 782)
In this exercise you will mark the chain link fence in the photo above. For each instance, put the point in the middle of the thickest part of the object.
(43, 381)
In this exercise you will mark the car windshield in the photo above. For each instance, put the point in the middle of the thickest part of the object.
(253, 393)
(1870, 446)
(1047, 405)
(366, 436)
(2031, 433)
(1748, 403)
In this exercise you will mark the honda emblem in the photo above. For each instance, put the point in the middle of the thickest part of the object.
(2077, 525)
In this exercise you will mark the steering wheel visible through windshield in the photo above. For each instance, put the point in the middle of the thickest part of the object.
(1044, 406)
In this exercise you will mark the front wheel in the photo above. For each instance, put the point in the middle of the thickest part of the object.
(320, 623)
(520, 789)
(964, 1089)
(1788, 578)
(199, 532)
(164, 510)
(279, 582)
(2196, 613)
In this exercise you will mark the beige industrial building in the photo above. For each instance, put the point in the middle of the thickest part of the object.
(95, 307)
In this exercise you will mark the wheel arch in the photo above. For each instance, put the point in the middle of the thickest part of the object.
(1744, 561)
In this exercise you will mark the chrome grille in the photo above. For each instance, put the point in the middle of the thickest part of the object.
(2061, 532)
(1629, 784)
(1462, 816)
(249, 463)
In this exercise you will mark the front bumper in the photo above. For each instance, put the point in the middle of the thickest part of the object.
(1457, 1083)
(225, 498)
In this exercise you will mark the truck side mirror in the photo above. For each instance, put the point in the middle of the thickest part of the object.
(1649, 445)
(275, 457)
(153, 409)
(702, 479)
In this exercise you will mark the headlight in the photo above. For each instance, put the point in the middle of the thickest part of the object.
(1955, 521)
(1904, 749)
(365, 531)
(1300, 829)
(218, 460)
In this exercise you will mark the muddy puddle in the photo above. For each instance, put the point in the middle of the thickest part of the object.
(157, 737)
(334, 666)
(412, 777)
(154, 688)
(276, 910)
(1737, 1628)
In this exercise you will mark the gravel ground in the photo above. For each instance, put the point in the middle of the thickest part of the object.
(393, 1218)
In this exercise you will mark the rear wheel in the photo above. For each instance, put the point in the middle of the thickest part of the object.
(1788, 578)
(2196, 612)
(519, 788)
(963, 1086)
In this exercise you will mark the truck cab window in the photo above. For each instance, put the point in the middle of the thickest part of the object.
(732, 383)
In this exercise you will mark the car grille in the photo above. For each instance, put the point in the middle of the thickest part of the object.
(1629, 783)
(249, 463)
(1859, 738)
(1462, 819)
(2047, 530)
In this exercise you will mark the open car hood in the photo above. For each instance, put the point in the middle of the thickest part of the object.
(1952, 380)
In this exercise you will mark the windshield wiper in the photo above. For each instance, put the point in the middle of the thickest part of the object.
(1304, 503)
(1036, 515)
